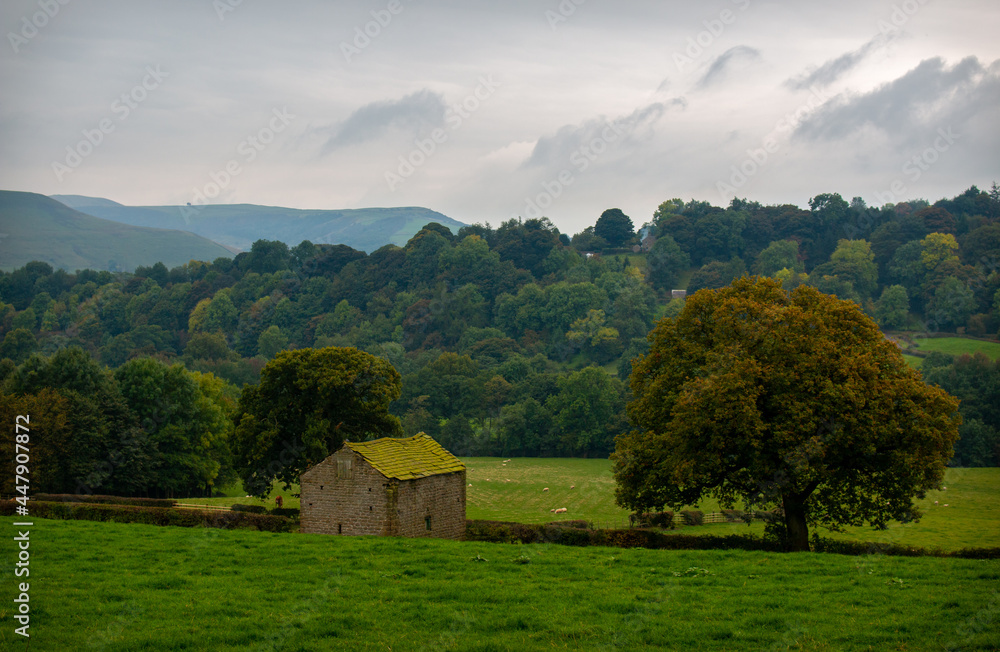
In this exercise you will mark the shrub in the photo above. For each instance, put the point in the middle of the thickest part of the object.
(105, 500)
(252, 509)
(661, 519)
(153, 515)
(289, 512)
(733, 515)
(693, 517)
(584, 525)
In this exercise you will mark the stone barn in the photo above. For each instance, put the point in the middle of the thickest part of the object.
(391, 487)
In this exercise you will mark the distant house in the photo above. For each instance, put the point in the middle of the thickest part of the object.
(391, 487)
(678, 294)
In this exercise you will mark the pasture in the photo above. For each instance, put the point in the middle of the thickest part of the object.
(514, 492)
(957, 346)
(971, 518)
(116, 587)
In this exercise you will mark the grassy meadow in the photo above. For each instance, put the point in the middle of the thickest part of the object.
(958, 346)
(514, 492)
(126, 587)
(971, 518)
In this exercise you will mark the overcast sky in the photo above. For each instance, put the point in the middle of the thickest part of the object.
(520, 107)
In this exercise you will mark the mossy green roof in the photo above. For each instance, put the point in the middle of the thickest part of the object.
(407, 459)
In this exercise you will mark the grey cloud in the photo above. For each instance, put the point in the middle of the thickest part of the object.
(557, 148)
(722, 63)
(836, 68)
(416, 111)
(927, 97)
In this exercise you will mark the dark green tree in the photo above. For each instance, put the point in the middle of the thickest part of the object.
(792, 400)
(615, 227)
(309, 402)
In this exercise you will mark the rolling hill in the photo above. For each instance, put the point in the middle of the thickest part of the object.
(239, 225)
(35, 227)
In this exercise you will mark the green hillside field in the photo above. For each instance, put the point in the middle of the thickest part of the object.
(123, 587)
(34, 227)
(958, 346)
(966, 514)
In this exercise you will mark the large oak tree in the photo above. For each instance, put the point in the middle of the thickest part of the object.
(793, 400)
(308, 402)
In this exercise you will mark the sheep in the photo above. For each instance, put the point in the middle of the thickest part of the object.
(561, 510)
(572, 486)
(545, 489)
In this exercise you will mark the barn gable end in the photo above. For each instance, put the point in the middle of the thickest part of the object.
(391, 487)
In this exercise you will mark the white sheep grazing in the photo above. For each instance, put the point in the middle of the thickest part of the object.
(572, 486)
(561, 510)
(470, 485)
(545, 489)
(553, 509)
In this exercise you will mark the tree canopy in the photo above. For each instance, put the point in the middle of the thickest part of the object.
(615, 227)
(782, 399)
(308, 402)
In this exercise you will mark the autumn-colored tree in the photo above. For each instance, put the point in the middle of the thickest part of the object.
(308, 402)
(793, 400)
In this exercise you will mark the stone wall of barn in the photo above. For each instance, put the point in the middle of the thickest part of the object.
(439, 498)
(352, 506)
(368, 503)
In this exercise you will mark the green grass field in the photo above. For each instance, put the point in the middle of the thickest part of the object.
(514, 492)
(958, 346)
(124, 587)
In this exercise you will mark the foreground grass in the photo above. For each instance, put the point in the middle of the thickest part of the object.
(117, 587)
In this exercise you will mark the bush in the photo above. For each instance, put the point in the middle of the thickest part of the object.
(693, 517)
(584, 525)
(252, 509)
(661, 519)
(152, 515)
(104, 500)
(733, 515)
(289, 512)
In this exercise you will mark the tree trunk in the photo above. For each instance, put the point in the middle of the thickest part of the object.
(795, 523)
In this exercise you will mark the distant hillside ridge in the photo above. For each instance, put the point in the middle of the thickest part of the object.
(36, 227)
(238, 226)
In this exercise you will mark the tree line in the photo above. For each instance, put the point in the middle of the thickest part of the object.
(515, 339)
